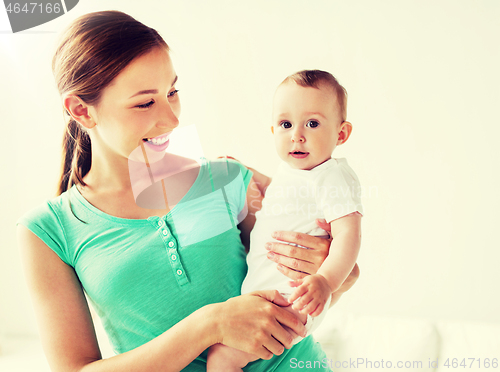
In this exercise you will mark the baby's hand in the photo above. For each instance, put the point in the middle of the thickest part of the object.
(311, 295)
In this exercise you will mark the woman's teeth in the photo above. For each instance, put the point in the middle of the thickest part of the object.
(156, 141)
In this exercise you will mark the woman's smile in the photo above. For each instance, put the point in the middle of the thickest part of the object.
(159, 143)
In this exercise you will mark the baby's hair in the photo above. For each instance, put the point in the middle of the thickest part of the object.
(312, 78)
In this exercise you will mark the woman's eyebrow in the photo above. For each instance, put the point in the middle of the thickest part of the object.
(152, 91)
(147, 91)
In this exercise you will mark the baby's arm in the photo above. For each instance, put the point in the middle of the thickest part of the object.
(314, 290)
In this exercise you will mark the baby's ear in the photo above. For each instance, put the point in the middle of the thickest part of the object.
(344, 132)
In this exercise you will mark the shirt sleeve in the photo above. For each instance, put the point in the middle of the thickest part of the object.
(44, 223)
(339, 193)
(232, 179)
(244, 175)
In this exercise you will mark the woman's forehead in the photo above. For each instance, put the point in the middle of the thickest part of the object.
(153, 70)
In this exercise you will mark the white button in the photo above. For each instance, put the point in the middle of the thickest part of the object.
(174, 257)
(160, 223)
(170, 244)
(165, 232)
(179, 272)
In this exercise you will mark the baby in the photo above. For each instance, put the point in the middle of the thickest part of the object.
(309, 121)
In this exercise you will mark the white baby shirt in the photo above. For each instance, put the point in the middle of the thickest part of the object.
(294, 200)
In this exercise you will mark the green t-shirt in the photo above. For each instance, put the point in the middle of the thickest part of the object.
(144, 275)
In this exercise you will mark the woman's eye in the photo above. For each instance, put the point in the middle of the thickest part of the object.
(286, 124)
(312, 124)
(173, 93)
(146, 105)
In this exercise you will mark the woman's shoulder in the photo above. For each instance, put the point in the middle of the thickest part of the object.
(227, 170)
(50, 209)
(47, 222)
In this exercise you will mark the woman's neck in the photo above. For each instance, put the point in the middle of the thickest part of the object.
(108, 173)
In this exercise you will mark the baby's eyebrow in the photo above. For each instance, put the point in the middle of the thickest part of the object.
(315, 113)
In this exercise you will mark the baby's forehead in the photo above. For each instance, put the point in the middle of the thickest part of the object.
(320, 85)
(290, 89)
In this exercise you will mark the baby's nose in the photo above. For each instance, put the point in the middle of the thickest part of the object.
(297, 137)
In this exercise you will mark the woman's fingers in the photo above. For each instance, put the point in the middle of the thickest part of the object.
(283, 316)
(302, 239)
(292, 264)
(255, 322)
(227, 157)
(322, 224)
(273, 347)
(292, 274)
(289, 250)
(286, 318)
(296, 262)
(272, 296)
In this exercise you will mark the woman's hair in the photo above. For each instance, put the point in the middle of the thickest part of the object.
(94, 49)
(312, 78)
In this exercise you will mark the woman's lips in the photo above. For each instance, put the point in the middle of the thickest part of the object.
(159, 143)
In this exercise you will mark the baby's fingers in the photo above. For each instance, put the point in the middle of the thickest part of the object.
(302, 302)
(310, 308)
(318, 310)
(300, 291)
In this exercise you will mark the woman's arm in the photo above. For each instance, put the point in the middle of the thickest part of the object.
(250, 322)
(261, 180)
(253, 205)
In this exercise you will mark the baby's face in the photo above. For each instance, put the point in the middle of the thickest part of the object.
(306, 124)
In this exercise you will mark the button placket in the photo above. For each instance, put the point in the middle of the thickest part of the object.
(175, 262)
(171, 247)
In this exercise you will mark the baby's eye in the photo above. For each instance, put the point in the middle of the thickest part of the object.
(312, 124)
(286, 124)
(146, 105)
(173, 93)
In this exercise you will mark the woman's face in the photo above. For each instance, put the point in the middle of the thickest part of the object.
(141, 103)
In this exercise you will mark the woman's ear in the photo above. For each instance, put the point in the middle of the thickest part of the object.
(344, 132)
(78, 110)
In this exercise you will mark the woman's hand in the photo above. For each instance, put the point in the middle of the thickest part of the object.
(253, 323)
(296, 263)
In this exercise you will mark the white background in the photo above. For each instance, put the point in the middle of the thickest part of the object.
(424, 93)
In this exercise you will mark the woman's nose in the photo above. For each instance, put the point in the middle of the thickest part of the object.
(169, 116)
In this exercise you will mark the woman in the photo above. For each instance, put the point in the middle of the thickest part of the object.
(162, 302)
